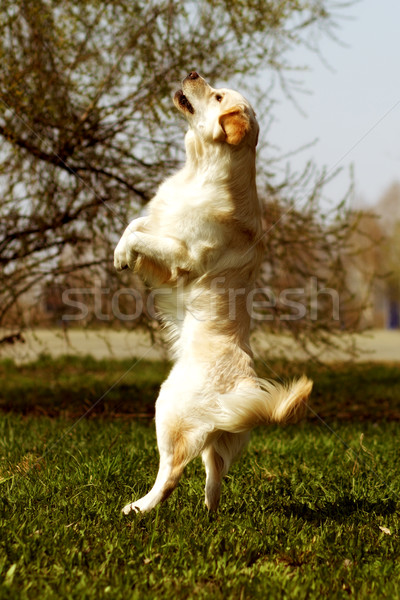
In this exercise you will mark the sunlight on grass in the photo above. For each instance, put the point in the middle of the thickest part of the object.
(310, 511)
(302, 515)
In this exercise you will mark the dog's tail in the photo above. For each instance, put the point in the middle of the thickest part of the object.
(244, 408)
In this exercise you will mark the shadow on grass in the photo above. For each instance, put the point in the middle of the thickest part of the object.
(339, 511)
(74, 386)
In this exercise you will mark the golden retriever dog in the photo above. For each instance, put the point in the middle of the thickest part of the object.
(200, 248)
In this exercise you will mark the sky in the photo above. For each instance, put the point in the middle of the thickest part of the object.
(354, 105)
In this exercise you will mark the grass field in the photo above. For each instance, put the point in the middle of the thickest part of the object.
(311, 510)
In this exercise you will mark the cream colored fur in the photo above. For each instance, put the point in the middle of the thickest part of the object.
(199, 248)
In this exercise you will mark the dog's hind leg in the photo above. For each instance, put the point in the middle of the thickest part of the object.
(215, 470)
(169, 473)
(178, 443)
(217, 458)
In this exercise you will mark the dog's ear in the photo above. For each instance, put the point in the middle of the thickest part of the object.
(232, 126)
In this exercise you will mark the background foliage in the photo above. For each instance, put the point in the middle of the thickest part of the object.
(89, 131)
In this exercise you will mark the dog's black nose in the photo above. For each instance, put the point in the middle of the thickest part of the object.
(193, 75)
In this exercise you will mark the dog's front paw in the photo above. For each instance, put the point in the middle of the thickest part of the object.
(120, 263)
(124, 257)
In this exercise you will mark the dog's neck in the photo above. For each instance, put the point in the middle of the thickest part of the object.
(228, 167)
(217, 161)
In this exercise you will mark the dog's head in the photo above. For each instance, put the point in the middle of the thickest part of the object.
(221, 115)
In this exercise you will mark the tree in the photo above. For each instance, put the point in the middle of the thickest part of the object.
(88, 132)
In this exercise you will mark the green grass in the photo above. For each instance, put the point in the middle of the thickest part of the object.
(301, 513)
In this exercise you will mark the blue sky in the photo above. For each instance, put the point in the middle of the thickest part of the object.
(354, 107)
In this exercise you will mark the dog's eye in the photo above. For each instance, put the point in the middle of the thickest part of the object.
(218, 97)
